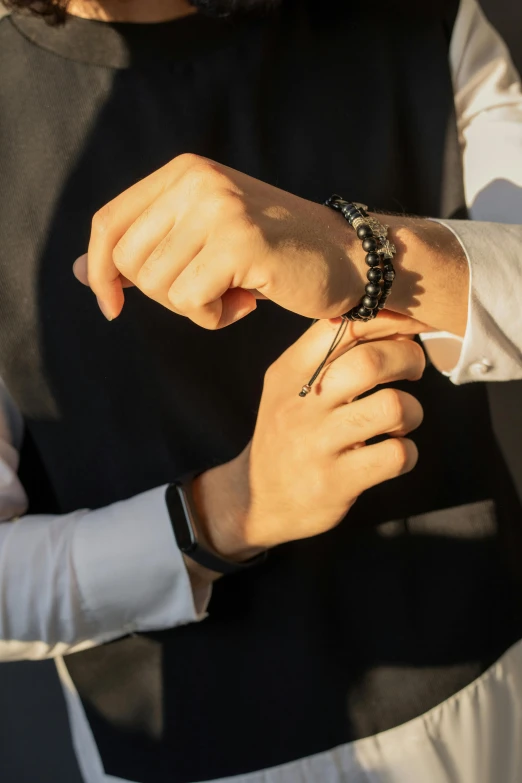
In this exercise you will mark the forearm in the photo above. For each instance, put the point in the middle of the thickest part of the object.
(74, 581)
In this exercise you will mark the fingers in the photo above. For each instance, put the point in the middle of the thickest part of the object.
(235, 304)
(302, 358)
(166, 262)
(369, 365)
(112, 221)
(386, 412)
(136, 246)
(371, 465)
(80, 272)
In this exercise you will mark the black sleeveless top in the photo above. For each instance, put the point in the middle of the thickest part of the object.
(337, 637)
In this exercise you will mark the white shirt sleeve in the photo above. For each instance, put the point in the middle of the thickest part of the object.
(71, 582)
(488, 101)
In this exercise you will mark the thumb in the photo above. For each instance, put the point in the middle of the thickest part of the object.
(303, 358)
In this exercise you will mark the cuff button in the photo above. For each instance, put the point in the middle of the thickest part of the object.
(481, 368)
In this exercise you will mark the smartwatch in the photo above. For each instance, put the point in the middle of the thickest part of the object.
(184, 520)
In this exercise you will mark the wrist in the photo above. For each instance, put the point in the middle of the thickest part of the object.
(432, 277)
(221, 499)
(432, 280)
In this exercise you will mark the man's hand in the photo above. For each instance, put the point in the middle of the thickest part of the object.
(206, 241)
(307, 462)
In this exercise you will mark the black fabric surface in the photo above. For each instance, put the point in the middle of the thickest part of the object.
(334, 638)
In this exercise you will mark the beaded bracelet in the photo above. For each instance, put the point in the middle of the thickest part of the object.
(381, 274)
(379, 257)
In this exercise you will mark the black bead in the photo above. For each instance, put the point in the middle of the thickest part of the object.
(364, 312)
(364, 231)
(369, 244)
(387, 285)
(372, 259)
(372, 289)
(370, 301)
(389, 275)
(374, 275)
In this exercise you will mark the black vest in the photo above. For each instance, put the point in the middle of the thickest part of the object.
(335, 638)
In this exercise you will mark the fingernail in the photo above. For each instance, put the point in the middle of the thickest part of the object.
(79, 269)
(105, 309)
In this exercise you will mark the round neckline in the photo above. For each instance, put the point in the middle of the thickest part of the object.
(122, 45)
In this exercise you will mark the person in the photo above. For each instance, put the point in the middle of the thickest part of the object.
(389, 646)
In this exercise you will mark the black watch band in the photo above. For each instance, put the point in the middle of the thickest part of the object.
(183, 517)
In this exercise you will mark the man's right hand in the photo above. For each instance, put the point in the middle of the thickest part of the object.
(307, 462)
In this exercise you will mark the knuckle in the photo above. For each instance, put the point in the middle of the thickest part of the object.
(186, 301)
(392, 403)
(187, 159)
(370, 363)
(210, 322)
(195, 179)
(419, 360)
(145, 282)
(218, 206)
(194, 301)
(178, 300)
(200, 173)
(102, 220)
(419, 416)
(121, 255)
(415, 411)
(399, 455)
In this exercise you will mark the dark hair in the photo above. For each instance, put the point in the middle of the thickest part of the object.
(53, 11)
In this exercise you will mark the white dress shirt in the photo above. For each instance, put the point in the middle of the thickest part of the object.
(71, 582)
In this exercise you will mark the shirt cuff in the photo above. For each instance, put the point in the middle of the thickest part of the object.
(131, 574)
(487, 353)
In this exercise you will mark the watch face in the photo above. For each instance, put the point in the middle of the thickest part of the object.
(181, 518)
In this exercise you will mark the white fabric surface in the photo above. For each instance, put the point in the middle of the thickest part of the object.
(473, 737)
(73, 581)
(492, 346)
(488, 103)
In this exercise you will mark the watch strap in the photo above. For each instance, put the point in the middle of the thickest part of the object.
(184, 519)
